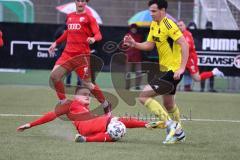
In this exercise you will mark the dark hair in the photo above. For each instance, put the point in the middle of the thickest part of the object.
(134, 25)
(160, 3)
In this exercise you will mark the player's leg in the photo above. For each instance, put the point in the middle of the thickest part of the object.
(165, 85)
(132, 122)
(56, 76)
(206, 75)
(172, 108)
(98, 137)
(84, 73)
(194, 71)
(83, 70)
(158, 110)
(174, 129)
(146, 98)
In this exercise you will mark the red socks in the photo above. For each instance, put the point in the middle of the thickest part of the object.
(98, 94)
(206, 75)
(59, 87)
(132, 122)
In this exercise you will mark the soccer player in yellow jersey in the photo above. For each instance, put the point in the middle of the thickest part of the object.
(172, 61)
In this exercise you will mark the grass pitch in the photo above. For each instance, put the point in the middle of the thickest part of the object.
(212, 134)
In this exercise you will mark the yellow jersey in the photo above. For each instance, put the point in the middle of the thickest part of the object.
(164, 34)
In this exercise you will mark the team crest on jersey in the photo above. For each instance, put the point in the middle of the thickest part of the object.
(81, 19)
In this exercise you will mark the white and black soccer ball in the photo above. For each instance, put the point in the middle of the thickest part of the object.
(116, 130)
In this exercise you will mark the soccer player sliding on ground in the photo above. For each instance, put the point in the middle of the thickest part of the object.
(90, 127)
(82, 30)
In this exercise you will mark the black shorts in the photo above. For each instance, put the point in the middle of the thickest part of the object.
(163, 83)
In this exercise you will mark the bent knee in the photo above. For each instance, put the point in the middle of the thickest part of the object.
(55, 76)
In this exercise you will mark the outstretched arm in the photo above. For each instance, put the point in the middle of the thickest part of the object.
(144, 46)
(61, 39)
(48, 117)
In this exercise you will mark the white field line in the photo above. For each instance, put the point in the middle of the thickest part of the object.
(19, 115)
(140, 118)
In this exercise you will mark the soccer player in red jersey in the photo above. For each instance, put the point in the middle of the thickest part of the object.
(1, 39)
(192, 63)
(91, 127)
(82, 30)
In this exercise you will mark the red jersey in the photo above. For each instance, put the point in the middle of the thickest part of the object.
(80, 26)
(192, 63)
(1, 40)
(189, 38)
(87, 126)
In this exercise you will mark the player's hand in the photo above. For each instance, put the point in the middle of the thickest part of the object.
(23, 127)
(129, 41)
(177, 74)
(51, 49)
(91, 40)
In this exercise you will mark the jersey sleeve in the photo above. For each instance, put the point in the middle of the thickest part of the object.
(150, 34)
(174, 32)
(190, 41)
(62, 38)
(95, 29)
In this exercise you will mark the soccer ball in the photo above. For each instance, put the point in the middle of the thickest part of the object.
(116, 130)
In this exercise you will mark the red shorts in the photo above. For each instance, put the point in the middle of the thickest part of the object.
(192, 66)
(92, 126)
(80, 64)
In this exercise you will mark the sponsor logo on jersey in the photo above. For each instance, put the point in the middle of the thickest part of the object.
(74, 26)
(81, 19)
